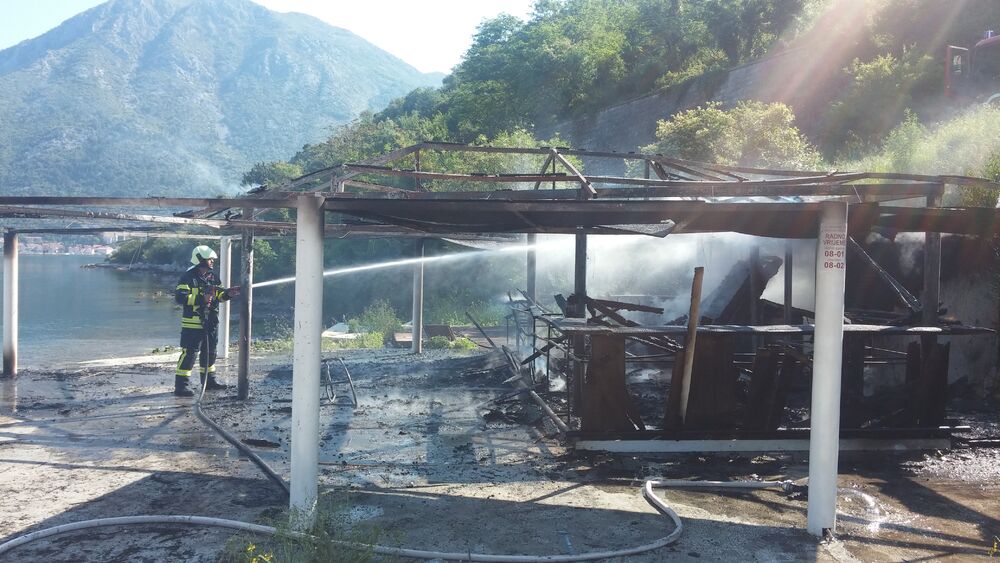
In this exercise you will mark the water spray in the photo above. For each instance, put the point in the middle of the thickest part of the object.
(409, 261)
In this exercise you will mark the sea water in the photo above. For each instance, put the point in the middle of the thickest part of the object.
(70, 313)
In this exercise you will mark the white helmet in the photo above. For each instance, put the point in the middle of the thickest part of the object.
(201, 253)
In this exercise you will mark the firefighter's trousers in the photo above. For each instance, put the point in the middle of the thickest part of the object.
(200, 343)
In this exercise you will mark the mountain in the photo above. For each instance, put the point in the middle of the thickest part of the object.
(179, 97)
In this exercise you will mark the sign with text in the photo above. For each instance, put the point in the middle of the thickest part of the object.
(833, 247)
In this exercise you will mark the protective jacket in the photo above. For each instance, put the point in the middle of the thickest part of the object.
(190, 293)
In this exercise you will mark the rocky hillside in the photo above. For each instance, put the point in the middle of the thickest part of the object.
(179, 97)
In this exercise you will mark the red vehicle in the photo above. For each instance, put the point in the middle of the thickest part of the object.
(974, 74)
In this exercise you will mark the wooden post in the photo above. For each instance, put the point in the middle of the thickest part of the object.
(10, 303)
(689, 343)
(246, 309)
(226, 278)
(579, 310)
(417, 331)
(755, 291)
(416, 167)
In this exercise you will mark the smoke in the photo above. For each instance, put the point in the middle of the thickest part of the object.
(657, 272)
(910, 246)
(803, 276)
(963, 145)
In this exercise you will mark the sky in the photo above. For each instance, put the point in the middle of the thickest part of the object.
(431, 35)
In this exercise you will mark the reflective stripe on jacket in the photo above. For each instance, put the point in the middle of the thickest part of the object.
(190, 294)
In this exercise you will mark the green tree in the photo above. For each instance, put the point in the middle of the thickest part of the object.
(878, 98)
(271, 174)
(750, 134)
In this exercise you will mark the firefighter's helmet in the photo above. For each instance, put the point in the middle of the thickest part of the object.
(202, 253)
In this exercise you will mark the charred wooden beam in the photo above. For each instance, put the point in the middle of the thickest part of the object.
(672, 189)
(621, 305)
(587, 191)
(606, 404)
(906, 298)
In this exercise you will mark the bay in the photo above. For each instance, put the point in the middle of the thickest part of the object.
(70, 314)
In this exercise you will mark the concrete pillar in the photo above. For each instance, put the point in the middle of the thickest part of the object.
(10, 304)
(824, 435)
(532, 267)
(417, 347)
(306, 358)
(246, 310)
(226, 278)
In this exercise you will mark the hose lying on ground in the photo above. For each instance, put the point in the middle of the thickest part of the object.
(237, 443)
(647, 491)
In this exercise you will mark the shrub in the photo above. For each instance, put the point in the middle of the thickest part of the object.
(463, 343)
(438, 342)
(442, 342)
(750, 134)
(377, 318)
(880, 95)
(323, 543)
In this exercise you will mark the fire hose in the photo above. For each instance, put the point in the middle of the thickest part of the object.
(647, 491)
(648, 494)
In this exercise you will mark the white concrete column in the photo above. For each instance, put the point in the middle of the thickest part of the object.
(226, 278)
(824, 435)
(306, 360)
(417, 332)
(10, 304)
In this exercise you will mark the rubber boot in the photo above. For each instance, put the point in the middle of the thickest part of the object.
(213, 384)
(181, 387)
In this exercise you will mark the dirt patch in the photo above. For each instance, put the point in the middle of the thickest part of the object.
(438, 454)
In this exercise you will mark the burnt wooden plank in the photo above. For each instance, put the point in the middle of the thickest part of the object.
(621, 305)
(541, 351)
(712, 396)
(852, 381)
(568, 326)
(792, 368)
(932, 386)
(913, 367)
(606, 404)
(763, 389)
(598, 313)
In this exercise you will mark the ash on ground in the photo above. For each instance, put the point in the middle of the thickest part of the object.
(439, 454)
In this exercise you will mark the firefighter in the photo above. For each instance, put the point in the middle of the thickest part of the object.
(199, 293)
